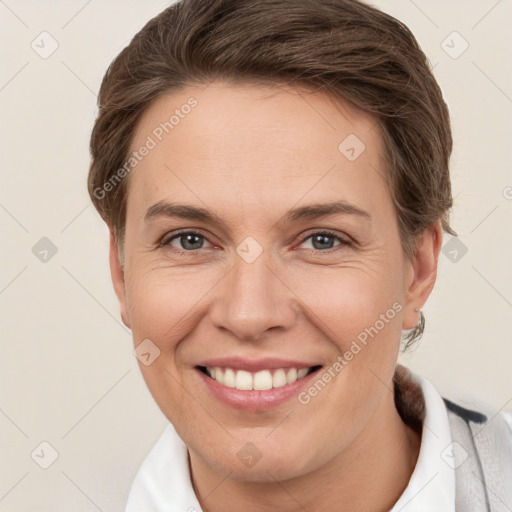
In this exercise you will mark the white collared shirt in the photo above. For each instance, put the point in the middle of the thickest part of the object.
(432, 483)
(163, 482)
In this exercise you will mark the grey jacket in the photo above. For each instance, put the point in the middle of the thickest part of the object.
(482, 459)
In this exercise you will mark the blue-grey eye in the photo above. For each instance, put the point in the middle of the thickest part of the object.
(188, 241)
(324, 241)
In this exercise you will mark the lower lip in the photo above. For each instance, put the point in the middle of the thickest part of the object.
(255, 400)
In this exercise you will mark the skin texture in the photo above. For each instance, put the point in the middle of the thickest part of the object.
(250, 153)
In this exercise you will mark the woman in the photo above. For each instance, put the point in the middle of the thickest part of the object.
(275, 178)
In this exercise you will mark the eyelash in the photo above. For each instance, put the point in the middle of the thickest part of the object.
(166, 242)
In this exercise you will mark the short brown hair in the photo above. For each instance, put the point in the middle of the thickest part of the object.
(345, 48)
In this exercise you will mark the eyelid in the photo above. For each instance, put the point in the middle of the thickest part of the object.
(344, 239)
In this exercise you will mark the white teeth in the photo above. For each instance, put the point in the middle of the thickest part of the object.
(279, 378)
(302, 373)
(291, 376)
(243, 380)
(229, 378)
(260, 381)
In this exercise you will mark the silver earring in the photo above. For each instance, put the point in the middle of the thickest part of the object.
(415, 333)
(421, 319)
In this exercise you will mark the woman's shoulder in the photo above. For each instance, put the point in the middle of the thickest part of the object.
(416, 396)
(478, 441)
(481, 454)
(478, 415)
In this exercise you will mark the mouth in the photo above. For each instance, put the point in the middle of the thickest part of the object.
(262, 380)
(255, 386)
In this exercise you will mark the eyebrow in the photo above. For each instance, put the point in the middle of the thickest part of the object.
(182, 211)
(309, 212)
(314, 211)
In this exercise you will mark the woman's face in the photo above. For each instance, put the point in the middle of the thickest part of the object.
(261, 240)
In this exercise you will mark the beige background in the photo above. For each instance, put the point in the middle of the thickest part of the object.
(67, 373)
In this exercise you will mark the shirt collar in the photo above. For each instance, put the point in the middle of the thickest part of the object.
(163, 482)
(432, 483)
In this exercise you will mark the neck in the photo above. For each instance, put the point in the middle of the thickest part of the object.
(370, 474)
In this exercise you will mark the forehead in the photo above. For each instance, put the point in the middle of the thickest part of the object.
(254, 144)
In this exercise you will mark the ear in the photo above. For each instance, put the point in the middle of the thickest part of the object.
(422, 273)
(117, 273)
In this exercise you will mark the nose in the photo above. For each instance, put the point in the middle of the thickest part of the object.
(253, 299)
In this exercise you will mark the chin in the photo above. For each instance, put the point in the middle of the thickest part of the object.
(270, 464)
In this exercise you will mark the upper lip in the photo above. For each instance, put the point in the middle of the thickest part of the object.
(255, 365)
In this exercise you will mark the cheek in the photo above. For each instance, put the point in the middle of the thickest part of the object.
(358, 310)
(164, 308)
(162, 302)
(345, 302)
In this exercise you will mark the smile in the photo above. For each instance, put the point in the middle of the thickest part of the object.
(260, 381)
(255, 384)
